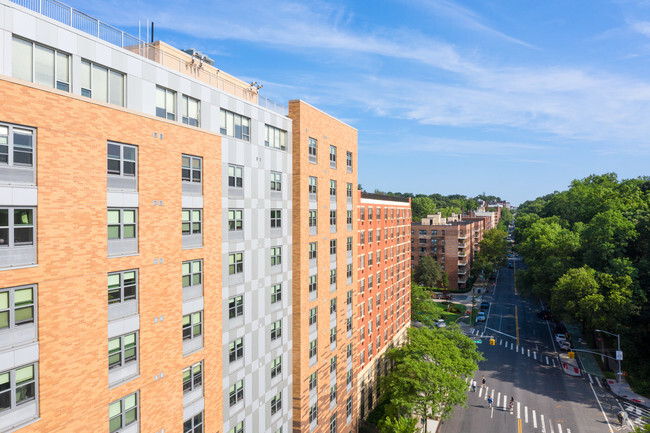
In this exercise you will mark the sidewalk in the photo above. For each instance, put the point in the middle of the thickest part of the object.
(590, 366)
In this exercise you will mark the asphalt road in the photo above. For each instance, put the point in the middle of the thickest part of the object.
(523, 364)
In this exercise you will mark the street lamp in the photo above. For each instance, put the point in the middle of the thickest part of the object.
(619, 356)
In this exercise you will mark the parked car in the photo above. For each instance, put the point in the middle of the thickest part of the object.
(485, 305)
(480, 317)
(440, 323)
(561, 338)
(565, 345)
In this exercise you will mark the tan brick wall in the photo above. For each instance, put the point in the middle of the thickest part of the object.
(72, 260)
(311, 122)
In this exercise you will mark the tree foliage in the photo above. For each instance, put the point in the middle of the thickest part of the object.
(401, 424)
(493, 252)
(429, 372)
(587, 250)
(423, 205)
(428, 272)
(423, 308)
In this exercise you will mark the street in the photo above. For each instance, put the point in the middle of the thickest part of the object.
(523, 364)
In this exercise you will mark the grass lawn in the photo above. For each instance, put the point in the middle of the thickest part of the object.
(451, 317)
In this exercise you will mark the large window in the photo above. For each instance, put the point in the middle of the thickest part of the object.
(312, 218)
(235, 220)
(236, 392)
(192, 273)
(190, 110)
(192, 221)
(16, 146)
(239, 428)
(122, 286)
(312, 149)
(348, 190)
(312, 283)
(235, 176)
(165, 103)
(236, 350)
(276, 181)
(313, 316)
(235, 263)
(276, 218)
(313, 414)
(17, 307)
(191, 169)
(193, 377)
(276, 403)
(332, 156)
(276, 293)
(313, 185)
(275, 138)
(276, 330)
(193, 325)
(348, 162)
(235, 307)
(17, 227)
(276, 256)
(313, 249)
(313, 348)
(235, 125)
(121, 223)
(333, 189)
(40, 65)
(122, 350)
(121, 159)
(17, 387)
(276, 367)
(102, 84)
(123, 412)
(194, 424)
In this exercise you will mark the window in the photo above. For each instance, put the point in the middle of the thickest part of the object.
(16, 307)
(123, 412)
(191, 168)
(121, 160)
(333, 335)
(312, 250)
(235, 263)
(236, 392)
(312, 149)
(313, 414)
(276, 330)
(235, 220)
(276, 293)
(276, 367)
(122, 287)
(362, 237)
(332, 156)
(312, 348)
(193, 377)
(194, 424)
(40, 65)
(276, 218)
(333, 188)
(362, 285)
(312, 218)
(235, 125)
(276, 181)
(313, 315)
(236, 349)
(349, 323)
(16, 146)
(370, 259)
(190, 110)
(333, 364)
(121, 223)
(193, 325)
(235, 176)
(235, 307)
(313, 380)
(370, 239)
(378, 213)
(191, 221)
(165, 103)
(349, 297)
(102, 84)
(332, 276)
(378, 233)
(276, 403)
(362, 213)
(239, 428)
(369, 213)
(349, 243)
(312, 283)
(348, 404)
(276, 256)
(332, 246)
(275, 138)
(348, 219)
(16, 227)
(122, 350)
(333, 398)
(348, 191)
(313, 185)
(349, 270)
(348, 161)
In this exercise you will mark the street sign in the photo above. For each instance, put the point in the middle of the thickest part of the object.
(478, 341)
(619, 355)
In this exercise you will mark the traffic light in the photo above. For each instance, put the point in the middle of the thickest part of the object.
(493, 342)
(572, 355)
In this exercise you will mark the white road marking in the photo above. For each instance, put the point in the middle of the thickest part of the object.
(535, 355)
(543, 426)
(601, 409)
(492, 413)
(590, 378)
(559, 427)
(568, 430)
(505, 397)
(486, 393)
(528, 351)
(598, 382)
(526, 414)
(511, 346)
(518, 410)
(499, 398)
(480, 392)
(550, 424)
(553, 362)
(547, 360)
(534, 419)
(522, 350)
(517, 350)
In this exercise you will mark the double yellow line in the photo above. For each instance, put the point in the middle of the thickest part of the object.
(519, 425)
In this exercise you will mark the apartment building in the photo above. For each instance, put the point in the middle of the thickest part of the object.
(450, 243)
(145, 236)
(383, 298)
(324, 271)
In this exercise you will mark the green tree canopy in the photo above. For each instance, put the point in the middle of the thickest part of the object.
(401, 424)
(428, 272)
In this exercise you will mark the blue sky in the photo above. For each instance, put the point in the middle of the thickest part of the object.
(511, 98)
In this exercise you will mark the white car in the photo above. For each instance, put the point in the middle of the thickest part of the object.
(565, 345)
(561, 338)
(480, 317)
(440, 323)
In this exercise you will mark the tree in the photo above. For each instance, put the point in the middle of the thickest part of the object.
(400, 424)
(494, 247)
(421, 207)
(430, 371)
(428, 272)
(423, 309)
(576, 295)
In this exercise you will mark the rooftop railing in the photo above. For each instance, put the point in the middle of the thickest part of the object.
(69, 16)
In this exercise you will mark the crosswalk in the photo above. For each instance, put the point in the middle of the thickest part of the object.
(528, 415)
(521, 350)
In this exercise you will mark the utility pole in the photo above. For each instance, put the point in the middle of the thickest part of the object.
(619, 357)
